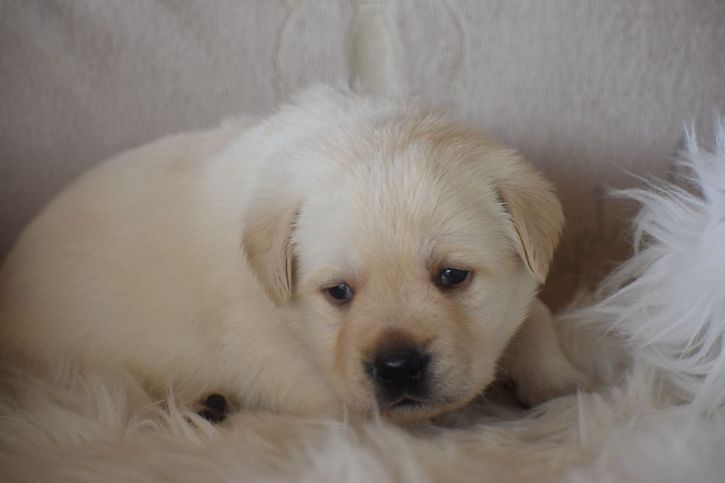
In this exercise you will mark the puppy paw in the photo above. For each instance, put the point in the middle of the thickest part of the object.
(568, 381)
(214, 408)
(537, 364)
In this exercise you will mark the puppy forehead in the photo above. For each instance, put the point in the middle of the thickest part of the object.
(403, 209)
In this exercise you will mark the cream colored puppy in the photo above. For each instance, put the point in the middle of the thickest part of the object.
(345, 254)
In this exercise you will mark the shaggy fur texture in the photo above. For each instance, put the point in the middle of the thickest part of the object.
(654, 335)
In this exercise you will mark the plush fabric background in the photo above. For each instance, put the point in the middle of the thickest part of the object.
(586, 89)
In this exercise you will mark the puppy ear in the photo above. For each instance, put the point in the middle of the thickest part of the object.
(267, 243)
(536, 215)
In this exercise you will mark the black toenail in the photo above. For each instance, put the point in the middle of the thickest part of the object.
(214, 408)
(216, 402)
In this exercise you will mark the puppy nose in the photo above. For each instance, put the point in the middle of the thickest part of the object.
(399, 368)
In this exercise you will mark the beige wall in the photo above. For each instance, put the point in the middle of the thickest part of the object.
(586, 89)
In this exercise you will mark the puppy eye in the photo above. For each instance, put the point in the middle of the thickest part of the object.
(452, 277)
(339, 294)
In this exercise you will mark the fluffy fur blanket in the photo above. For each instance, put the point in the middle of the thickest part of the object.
(653, 335)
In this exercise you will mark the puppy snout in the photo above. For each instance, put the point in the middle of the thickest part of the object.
(399, 369)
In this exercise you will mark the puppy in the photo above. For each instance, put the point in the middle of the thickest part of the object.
(346, 254)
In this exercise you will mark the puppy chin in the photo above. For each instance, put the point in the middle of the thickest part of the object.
(436, 405)
(408, 410)
(415, 412)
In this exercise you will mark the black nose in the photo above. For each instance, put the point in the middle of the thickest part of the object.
(400, 369)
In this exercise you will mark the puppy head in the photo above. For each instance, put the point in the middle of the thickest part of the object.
(408, 263)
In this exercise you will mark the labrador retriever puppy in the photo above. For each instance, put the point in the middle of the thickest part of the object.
(346, 255)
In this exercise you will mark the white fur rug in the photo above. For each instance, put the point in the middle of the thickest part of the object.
(654, 337)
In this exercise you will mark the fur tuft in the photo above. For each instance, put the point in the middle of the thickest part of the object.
(667, 303)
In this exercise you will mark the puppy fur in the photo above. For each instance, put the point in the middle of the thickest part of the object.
(200, 261)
